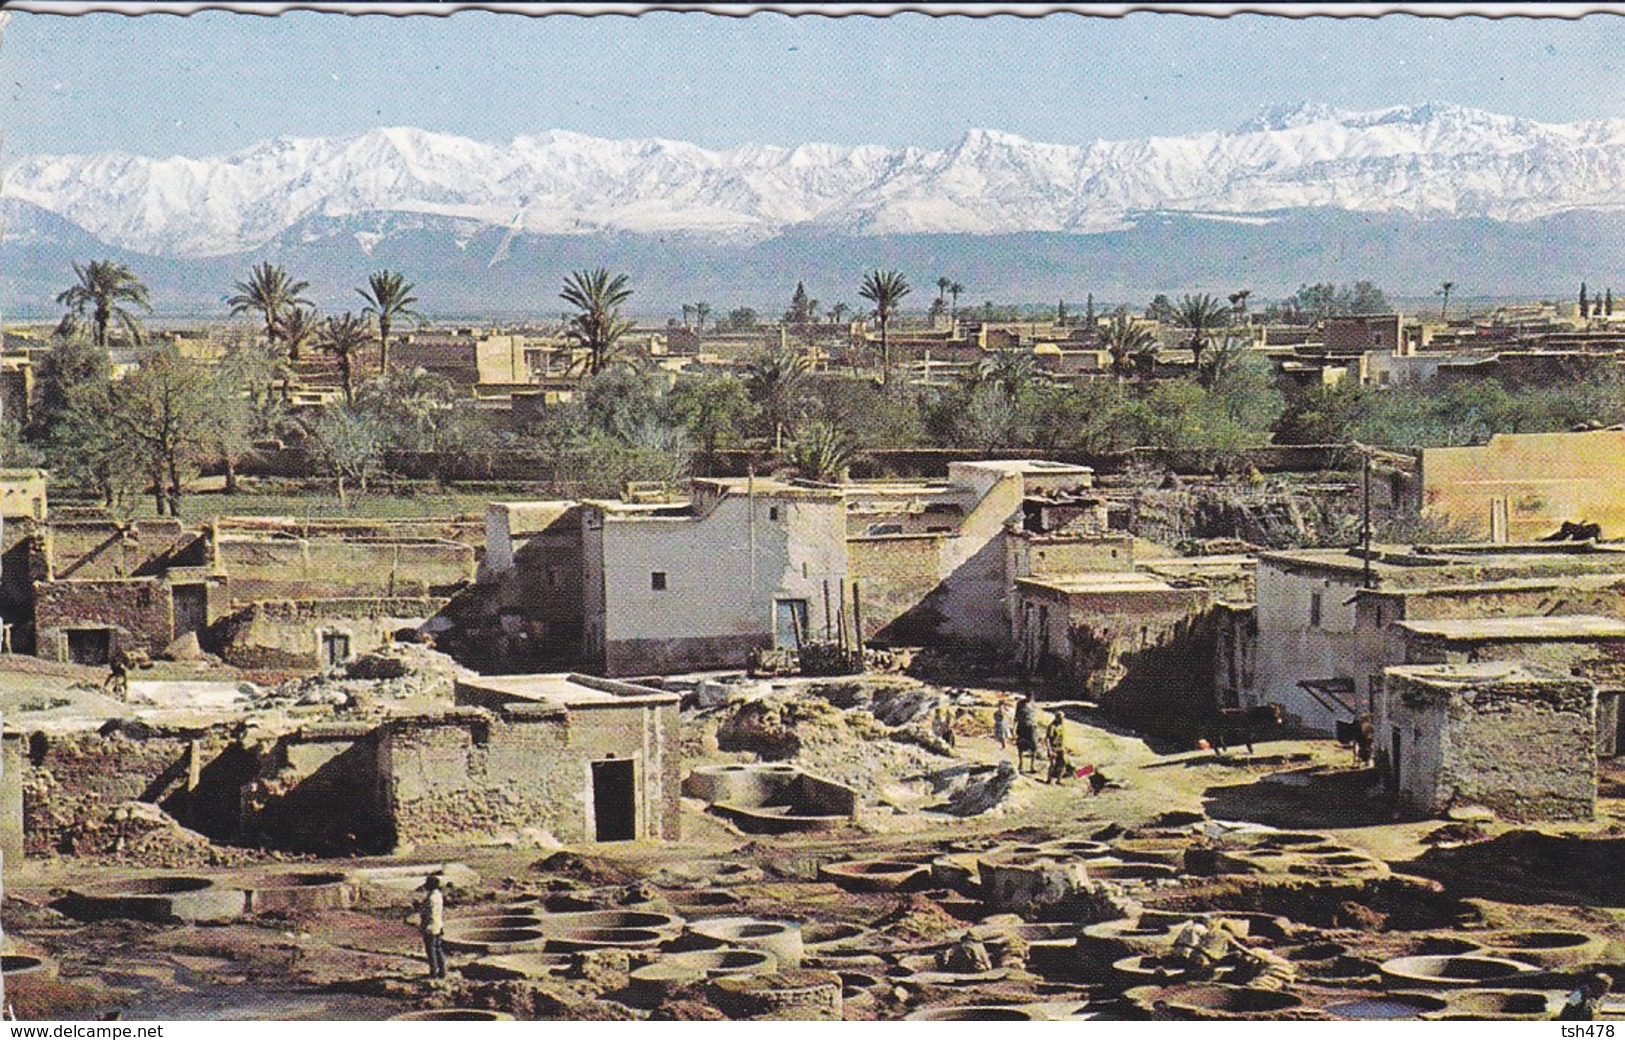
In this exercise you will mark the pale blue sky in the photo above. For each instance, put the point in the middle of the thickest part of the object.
(214, 82)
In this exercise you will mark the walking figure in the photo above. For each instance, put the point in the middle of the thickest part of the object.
(1001, 725)
(118, 673)
(432, 924)
(1055, 738)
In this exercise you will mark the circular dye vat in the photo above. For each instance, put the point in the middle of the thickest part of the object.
(1389, 1007)
(974, 1013)
(1500, 1004)
(1458, 970)
(1216, 1000)
(579, 939)
(453, 1015)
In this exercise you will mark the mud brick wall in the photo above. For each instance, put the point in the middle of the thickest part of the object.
(72, 781)
(896, 573)
(461, 780)
(297, 568)
(140, 610)
(100, 549)
(283, 635)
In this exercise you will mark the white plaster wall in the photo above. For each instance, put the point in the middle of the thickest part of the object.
(1289, 649)
(723, 569)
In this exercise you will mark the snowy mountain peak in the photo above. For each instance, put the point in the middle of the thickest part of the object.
(1426, 160)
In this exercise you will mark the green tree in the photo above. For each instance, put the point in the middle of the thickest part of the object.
(1161, 308)
(1444, 303)
(240, 406)
(954, 289)
(72, 362)
(162, 411)
(884, 289)
(597, 325)
(742, 318)
(345, 337)
(269, 291)
(297, 326)
(822, 452)
(389, 296)
(713, 410)
(349, 443)
(103, 287)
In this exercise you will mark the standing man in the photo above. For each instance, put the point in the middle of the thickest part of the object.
(432, 924)
(1026, 733)
(1001, 725)
(1055, 738)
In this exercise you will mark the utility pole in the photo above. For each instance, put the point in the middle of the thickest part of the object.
(1365, 526)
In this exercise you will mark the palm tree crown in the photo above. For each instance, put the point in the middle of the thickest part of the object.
(884, 289)
(389, 296)
(344, 337)
(269, 291)
(103, 285)
(597, 297)
(1201, 315)
(1129, 342)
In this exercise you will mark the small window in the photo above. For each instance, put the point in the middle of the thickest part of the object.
(772, 512)
(1314, 610)
(657, 581)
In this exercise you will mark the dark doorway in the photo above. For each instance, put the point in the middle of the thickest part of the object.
(614, 800)
(1397, 752)
(92, 646)
(789, 623)
(191, 608)
(335, 649)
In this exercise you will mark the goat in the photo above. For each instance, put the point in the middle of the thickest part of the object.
(1226, 726)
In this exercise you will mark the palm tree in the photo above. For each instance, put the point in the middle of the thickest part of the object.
(884, 289)
(772, 380)
(344, 337)
(389, 296)
(954, 289)
(102, 287)
(269, 291)
(942, 288)
(837, 312)
(1444, 291)
(688, 314)
(597, 298)
(1201, 315)
(1010, 369)
(1238, 301)
(1127, 341)
(298, 326)
(702, 311)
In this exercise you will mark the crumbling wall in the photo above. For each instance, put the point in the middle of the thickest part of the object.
(286, 635)
(322, 790)
(104, 549)
(139, 610)
(895, 575)
(73, 781)
(1520, 745)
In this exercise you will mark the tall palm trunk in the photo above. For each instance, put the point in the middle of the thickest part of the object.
(885, 354)
(383, 349)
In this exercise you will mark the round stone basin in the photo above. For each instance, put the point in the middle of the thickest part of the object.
(1152, 850)
(1389, 1007)
(1032, 932)
(780, 938)
(1145, 969)
(973, 1013)
(704, 898)
(819, 934)
(495, 940)
(1253, 924)
(1290, 839)
(723, 962)
(1129, 935)
(1446, 945)
(300, 890)
(602, 938)
(1116, 870)
(643, 919)
(1077, 847)
(1513, 1004)
(1341, 859)
(856, 982)
(453, 1015)
(1317, 951)
(1458, 970)
(149, 886)
(873, 875)
(461, 926)
(1216, 1000)
(1547, 948)
(20, 964)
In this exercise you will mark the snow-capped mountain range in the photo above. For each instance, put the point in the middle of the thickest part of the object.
(1427, 161)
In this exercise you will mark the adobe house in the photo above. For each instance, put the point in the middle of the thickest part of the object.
(584, 758)
(743, 565)
(1319, 633)
(1517, 739)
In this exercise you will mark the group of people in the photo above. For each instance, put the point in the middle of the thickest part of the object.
(1060, 766)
